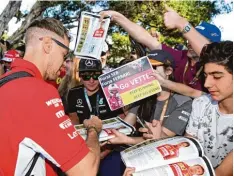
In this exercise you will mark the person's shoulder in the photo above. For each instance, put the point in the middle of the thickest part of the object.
(76, 89)
(75, 92)
(204, 103)
(33, 87)
(33, 83)
(41, 85)
(204, 100)
(181, 99)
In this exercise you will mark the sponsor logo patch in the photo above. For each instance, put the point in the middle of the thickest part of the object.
(79, 103)
(185, 113)
(183, 118)
(60, 114)
(89, 63)
(55, 101)
(65, 124)
(103, 111)
(101, 101)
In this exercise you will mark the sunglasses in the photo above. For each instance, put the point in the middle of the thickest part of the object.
(69, 53)
(87, 77)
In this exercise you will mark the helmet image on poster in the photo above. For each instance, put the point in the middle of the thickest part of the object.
(115, 99)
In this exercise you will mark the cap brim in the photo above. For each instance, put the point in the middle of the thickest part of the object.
(6, 59)
(155, 62)
(89, 70)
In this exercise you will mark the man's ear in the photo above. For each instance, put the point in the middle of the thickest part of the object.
(47, 44)
(169, 71)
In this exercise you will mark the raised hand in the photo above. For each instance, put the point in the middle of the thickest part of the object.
(110, 13)
(172, 19)
(158, 77)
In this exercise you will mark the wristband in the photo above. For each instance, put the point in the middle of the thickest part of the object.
(93, 127)
(187, 28)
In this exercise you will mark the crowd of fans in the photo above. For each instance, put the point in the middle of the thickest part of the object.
(45, 90)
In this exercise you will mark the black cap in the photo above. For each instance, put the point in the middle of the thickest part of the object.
(161, 57)
(90, 65)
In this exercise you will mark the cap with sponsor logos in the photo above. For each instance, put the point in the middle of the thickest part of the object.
(10, 55)
(210, 31)
(90, 65)
(161, 57)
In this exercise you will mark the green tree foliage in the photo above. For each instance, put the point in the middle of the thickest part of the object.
(67, 11)
(119, 49)
(121, 44)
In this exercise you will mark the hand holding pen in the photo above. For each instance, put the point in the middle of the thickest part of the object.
(144, 126)
(152, 130)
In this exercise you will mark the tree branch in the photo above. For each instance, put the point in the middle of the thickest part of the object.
(35, 13)
(8, 13)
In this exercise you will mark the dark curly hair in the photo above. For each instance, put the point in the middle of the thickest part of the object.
(218, 53)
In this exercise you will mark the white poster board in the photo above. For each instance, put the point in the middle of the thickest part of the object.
(91, 35)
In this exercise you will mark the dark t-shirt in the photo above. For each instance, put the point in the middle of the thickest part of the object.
(177, 113)
(99, 106)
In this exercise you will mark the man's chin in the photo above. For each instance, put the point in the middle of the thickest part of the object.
(216, 98)
(193, 56)
(92, 89)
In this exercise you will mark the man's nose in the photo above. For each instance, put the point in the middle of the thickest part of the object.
(208, 82)
(91, 80)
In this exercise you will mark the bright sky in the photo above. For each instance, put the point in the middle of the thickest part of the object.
(26, 5)
(222, 21)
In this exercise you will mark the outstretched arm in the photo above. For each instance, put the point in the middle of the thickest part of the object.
(182, 89)
(134, 30)
(121, 138)
(177, 87)
(173, 20)
(90, 163)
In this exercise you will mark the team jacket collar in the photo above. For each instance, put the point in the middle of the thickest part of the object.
(24, 65)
